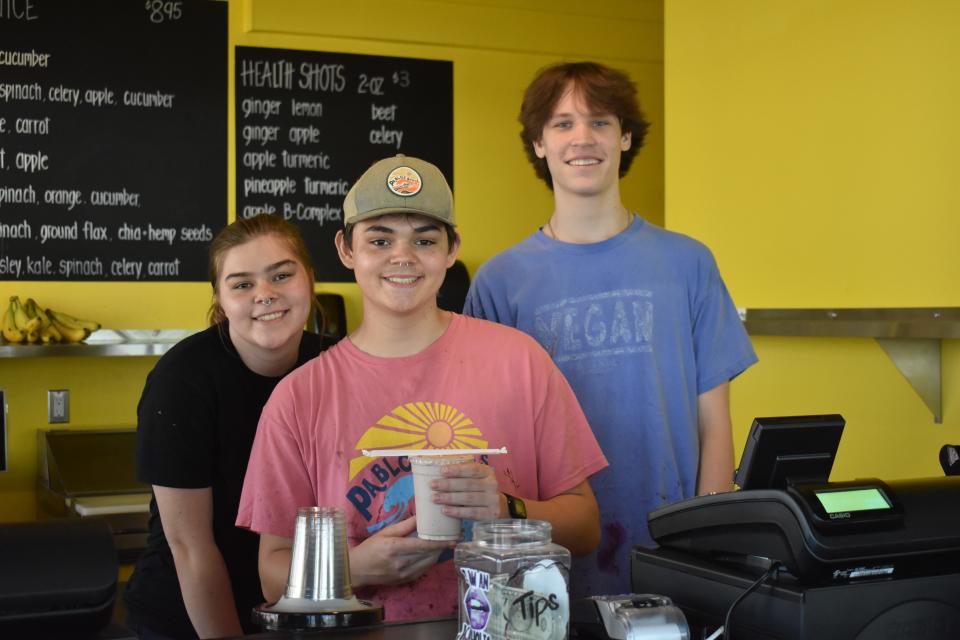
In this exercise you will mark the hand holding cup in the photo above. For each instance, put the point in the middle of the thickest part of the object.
(390, 556)
(449, 488)
(449, 485)
(468, 490)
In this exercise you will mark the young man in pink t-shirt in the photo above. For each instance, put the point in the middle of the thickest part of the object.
(413, 376)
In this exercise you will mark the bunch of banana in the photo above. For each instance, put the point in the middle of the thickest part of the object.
(27, 322)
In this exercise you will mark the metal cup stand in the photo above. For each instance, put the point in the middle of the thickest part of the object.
(318, 593)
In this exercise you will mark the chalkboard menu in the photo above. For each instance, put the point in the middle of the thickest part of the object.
(310, 123)
(113, 138)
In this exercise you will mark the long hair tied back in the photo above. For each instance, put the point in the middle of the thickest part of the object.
(242, 231)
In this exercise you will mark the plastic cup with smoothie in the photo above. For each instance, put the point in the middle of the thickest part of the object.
(432, 523)
(427, 464)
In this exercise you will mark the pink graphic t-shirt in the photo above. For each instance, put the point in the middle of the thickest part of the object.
(480, 385)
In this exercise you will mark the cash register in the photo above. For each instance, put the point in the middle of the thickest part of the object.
(853, 560)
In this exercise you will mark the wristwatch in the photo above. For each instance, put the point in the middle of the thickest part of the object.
(516, 507)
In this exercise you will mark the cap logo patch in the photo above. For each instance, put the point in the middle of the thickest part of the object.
(404, 181)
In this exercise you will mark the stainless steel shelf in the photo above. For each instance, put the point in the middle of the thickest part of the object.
(103, 343)
(911, 337)
(871, 323)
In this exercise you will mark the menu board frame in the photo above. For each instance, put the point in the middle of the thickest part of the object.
(308, 123)
(113, 139)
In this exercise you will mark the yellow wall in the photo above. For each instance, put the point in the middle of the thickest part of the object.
(495, 45)
(812, 145)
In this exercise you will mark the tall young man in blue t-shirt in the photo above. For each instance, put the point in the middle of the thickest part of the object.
(637, 318)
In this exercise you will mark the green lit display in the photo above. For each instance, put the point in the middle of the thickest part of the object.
(852, 500)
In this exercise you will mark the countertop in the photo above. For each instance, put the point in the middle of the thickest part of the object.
(435, 629)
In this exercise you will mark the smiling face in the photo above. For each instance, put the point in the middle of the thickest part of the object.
(266, 295)
(399, 262)
(582, 148)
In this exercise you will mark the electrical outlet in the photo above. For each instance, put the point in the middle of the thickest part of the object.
(58, 406)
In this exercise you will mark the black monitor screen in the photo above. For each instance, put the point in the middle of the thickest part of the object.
(789, 450)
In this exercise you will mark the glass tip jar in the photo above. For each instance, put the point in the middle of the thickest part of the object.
(513, 582)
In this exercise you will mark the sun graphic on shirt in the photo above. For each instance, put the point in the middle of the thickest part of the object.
(419, 425)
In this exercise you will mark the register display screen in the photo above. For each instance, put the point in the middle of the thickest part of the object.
(870, 499)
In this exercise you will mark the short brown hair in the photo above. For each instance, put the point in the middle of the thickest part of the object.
(604, 89)
(242, 231)
(447, 227)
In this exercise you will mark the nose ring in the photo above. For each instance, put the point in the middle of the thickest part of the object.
(267, 302)
(406, 264)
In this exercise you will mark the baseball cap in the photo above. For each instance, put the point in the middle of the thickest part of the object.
(399, 184)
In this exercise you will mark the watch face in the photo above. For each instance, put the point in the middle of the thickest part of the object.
(517, 508)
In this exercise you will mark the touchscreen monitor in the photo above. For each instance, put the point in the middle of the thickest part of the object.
(789, 450)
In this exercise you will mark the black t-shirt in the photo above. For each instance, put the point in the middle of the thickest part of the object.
(196, 422)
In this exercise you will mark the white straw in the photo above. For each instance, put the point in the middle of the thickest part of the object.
(716, 634)
(377, 453)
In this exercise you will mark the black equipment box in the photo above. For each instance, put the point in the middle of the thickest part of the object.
(925, 607)
(841, 530)
(57, 577)
(89, 474)
(861, 559)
